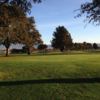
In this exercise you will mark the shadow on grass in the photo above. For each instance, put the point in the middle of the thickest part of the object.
(50, 81)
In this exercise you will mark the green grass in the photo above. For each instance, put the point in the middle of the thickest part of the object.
(50, 67)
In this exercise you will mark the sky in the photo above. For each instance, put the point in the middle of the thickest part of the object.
(51, 13)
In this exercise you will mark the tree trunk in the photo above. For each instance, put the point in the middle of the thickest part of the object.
(61, 49)
(28, 51)
(7, 52)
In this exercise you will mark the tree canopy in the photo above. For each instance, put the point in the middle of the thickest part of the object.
(9, 23)
(25, 5)
(92, 11)
(17, 28)
(42, 46)
(61, 39)
(95, 46)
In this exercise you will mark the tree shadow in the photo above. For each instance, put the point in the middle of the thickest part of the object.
(50, 81)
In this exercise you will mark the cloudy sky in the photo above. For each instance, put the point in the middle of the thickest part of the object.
(51, 13)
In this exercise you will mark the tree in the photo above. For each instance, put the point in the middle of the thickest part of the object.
(61, 39)
(8, 23)
(91, 10)
(25, 5)
(29, 40)
(95, 46)
(42, 47)
(89, 46)
(84, 45)
(17, 28)
(30, 35)
(78, 46)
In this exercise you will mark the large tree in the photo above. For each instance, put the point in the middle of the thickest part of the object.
(16, 28)
(8, 23)
(92, 11)
(29, 37)
(61, 39)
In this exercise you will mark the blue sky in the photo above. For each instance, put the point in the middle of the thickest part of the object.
(51, 13)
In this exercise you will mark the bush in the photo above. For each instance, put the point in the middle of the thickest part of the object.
(17, 51)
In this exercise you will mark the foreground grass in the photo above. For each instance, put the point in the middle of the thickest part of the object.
(50, 67)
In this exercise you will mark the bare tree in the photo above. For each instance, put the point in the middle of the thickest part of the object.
(92, 11)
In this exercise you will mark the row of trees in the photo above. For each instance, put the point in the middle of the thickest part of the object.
(15, 27)
(84, 46)
(62, 40)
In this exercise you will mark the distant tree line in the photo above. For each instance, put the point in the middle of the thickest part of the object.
(84, 46)
(62, 40)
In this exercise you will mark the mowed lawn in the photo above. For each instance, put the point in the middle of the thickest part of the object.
(42, 67)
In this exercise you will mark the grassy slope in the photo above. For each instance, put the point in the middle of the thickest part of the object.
(48, 67)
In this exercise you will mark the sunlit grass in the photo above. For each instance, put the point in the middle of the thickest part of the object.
(17, 67)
